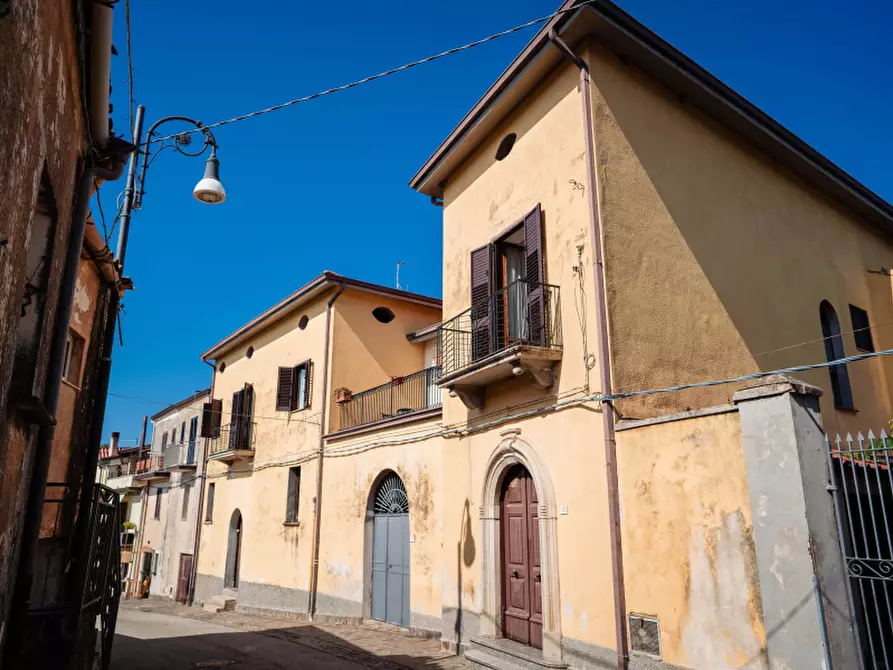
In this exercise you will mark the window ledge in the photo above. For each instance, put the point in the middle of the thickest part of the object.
(293, 524)
(208, 523)
(851, 410)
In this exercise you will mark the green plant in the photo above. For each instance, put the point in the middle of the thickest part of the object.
(129, 525)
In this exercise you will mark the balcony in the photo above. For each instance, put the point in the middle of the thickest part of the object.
(180, 456)
(514, 332)
(402, 396)
(234, 442)
(120, 477)
(150, 468)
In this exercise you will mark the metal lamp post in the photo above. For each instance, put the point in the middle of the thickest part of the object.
(208, 190)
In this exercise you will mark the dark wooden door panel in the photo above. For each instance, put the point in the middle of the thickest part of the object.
(521, 597)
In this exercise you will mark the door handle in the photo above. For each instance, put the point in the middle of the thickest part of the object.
(539, 578)
(515, 573)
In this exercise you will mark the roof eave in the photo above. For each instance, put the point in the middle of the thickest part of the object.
(619, 32)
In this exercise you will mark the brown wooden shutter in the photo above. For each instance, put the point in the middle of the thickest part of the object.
(285, 391)
(216, 416)
(237, 420)
(533, 253)
(481, 289)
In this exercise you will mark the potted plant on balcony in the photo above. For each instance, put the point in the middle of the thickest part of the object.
(128, 526)
(343, 394)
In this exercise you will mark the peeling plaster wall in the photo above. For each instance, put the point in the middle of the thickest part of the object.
(688, 542)
(715, 256)
(343, 573)
(41, 126)
(275, 562)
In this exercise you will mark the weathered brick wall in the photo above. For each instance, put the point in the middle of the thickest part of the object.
(42, 127)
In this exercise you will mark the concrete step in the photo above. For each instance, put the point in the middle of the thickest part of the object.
(221, 603)
(508, 655)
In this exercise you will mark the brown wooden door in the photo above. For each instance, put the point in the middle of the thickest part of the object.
(521, 595)
(184, 577)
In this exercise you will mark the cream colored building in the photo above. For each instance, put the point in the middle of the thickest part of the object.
(339, 357)
(525, 522)
(729, 247)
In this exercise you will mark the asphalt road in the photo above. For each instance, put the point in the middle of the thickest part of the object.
(149, 640)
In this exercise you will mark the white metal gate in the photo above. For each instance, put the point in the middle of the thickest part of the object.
(390, 553)
(862, 484)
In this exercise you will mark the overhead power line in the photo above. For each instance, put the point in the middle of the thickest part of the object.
(385, 73)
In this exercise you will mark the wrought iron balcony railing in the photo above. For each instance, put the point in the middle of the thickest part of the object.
(400, 396)
(180, 455)
(236, 436)
(520, 314)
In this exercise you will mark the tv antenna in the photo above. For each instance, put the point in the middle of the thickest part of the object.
(399, 263)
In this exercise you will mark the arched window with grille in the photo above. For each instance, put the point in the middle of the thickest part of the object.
(840, 377)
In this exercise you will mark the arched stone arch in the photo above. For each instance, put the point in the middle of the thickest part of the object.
(513, 450)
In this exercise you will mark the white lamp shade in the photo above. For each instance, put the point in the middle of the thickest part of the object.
(210, 191)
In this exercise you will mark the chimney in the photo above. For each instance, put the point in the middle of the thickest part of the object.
(113, 444)
(143, 434)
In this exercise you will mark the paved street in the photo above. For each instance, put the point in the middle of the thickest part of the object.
(155, 634)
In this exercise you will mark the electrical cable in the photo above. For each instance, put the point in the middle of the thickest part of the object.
(385, 73)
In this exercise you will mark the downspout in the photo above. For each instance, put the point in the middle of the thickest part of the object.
(601, 300)
(317, 516)
(203, 478)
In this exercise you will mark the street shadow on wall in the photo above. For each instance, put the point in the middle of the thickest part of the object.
(714, 255)
(465, 555)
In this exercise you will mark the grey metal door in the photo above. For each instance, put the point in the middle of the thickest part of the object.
(390, 553)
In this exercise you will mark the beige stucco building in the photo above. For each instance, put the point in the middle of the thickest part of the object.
(335, 357)
(616, 221)
(728, 247)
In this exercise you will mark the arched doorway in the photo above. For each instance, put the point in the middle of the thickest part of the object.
(389, 508)
(521, 575)
(502, 475)
(233, 551)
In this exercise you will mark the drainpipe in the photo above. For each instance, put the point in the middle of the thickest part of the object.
(317, 517)
(53, 384)
(201, 498)
(598, 271)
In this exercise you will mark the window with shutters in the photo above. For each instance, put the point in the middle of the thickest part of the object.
(184, 510)
(183, 432)
(158, 503)
(293, 499)
(293, 388)
(209, 504)
(861, 329)
(163, 440)
(241, 421)
(212, 413)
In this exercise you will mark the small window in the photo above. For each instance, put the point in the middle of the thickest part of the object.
(173, 436)
(302, 324)
(250, 352)
(293, 389)
(383, 314)
(505, 147)
(182, 432)
(158, 503)
(840, 377)
(163, 441)
(292, 503)
(71, 363)
(861, 329)
(221, 367)
(184, 512)
(209, 505)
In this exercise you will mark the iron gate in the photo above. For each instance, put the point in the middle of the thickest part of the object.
(862, 484)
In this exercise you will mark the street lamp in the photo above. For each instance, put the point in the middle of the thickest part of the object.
(208, 190)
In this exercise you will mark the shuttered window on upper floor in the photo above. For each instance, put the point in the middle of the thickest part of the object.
(293, 387)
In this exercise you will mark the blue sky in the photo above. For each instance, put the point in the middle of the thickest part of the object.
(323, 185)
